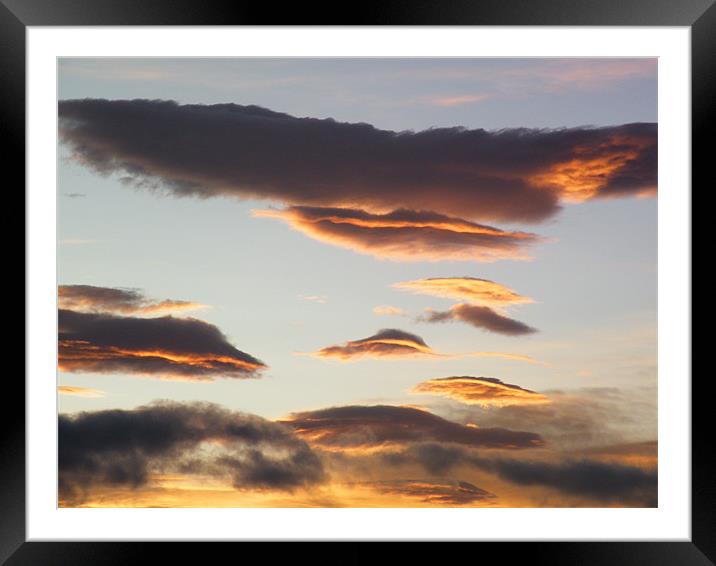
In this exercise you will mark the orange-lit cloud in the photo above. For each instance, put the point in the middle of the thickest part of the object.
(485, 391)
(448, 493)
(251, 152)
(642, 454)
(592, 168)
(164, 347)
(391, 343)
(479, 317)
(405, 235)
(79, 391)
(386, 343)
(320, 299)
(387, 310)
(89, 298)
(459, 100)
(468, 289)
(384, 426)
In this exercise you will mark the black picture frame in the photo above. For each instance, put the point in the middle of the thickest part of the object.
(16, 15)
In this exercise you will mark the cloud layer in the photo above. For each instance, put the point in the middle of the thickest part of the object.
(468, 289)
(89, 298)
(480, 317)
(584, 478)
(248, 151)
(574, 420)
(485, 391)
(166, 347)
(384, 425)
(124, 448)
(405, 235)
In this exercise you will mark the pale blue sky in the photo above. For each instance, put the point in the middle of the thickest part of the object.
(594, 282)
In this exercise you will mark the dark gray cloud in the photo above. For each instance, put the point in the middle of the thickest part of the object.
(125, 447)
(248, 151)
(383, 425)
(406, 235)
(166, 347)
(90, 298)
(480, 317)
(586, 478)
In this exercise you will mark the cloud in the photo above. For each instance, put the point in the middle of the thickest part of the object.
(79, 391)
(479, 317)
(387, 310)
(320, 299)
(165, 347)
(434, 492)
(125, 447)
(391, 343)
(89, 298)
(382, 426)
(484, 391)
(574, 420)
(586, 478)
(643, 454)
(253, 152)
(405, 235)
(459, 100)
(386, 343)
(468, 289)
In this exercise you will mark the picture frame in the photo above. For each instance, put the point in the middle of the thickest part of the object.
(699, 15)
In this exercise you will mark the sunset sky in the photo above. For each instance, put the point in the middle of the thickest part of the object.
(357, 282)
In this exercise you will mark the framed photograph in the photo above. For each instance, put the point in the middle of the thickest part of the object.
(423, 275)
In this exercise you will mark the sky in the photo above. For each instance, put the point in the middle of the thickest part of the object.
(376, 266)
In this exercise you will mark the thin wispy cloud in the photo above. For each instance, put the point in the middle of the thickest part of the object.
(459, 100)
(387, 310)
(320, 299)
(80, 391)
(467, 289)
(452, 493)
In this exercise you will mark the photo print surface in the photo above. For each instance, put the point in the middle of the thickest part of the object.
(339, 282)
